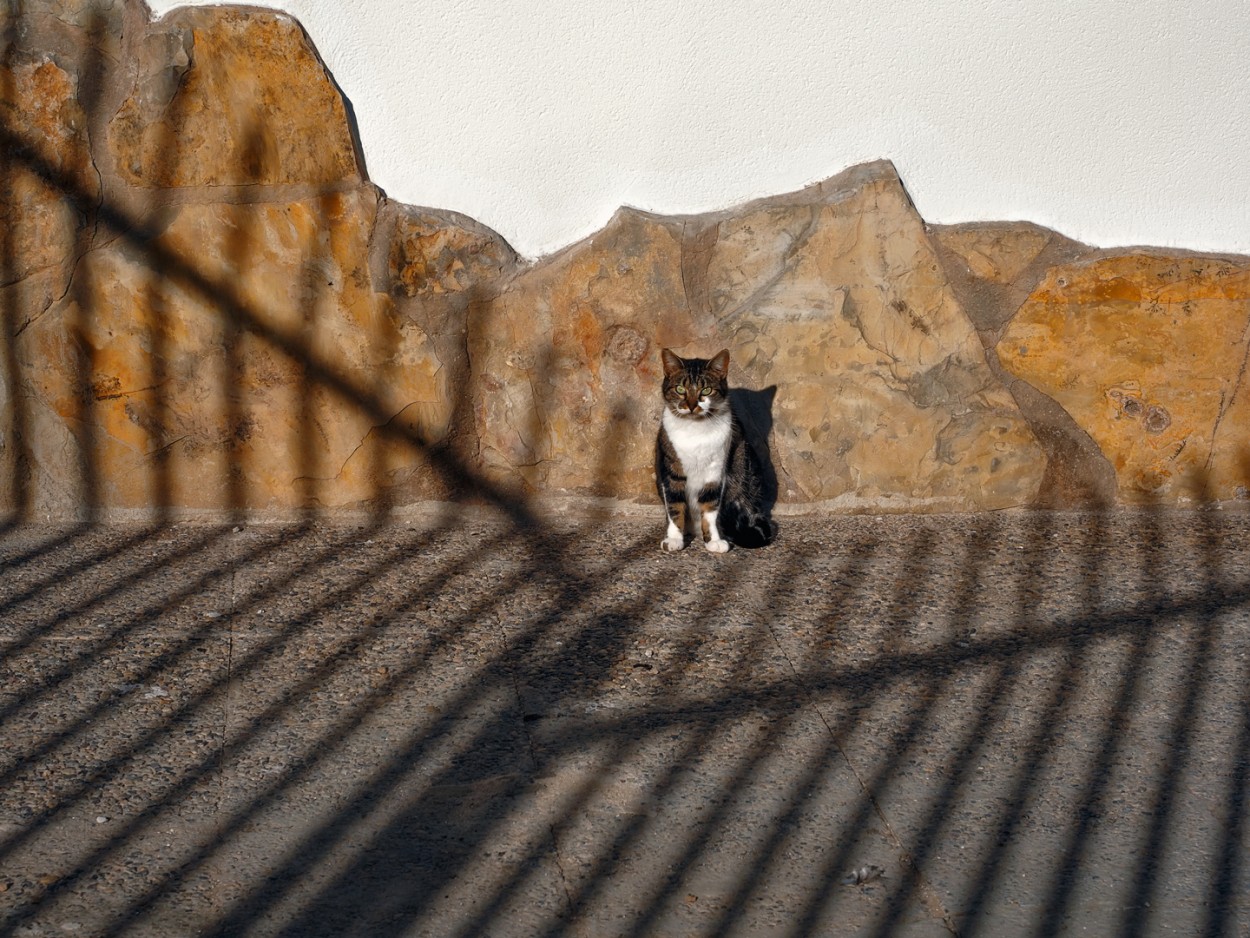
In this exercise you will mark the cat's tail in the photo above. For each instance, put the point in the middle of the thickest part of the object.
(753, 530)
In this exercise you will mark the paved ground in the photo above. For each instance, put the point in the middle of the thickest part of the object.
(1032, 724)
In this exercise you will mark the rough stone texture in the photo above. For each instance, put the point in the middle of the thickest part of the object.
(79, 13)
(205, 304)
(42, 231)
(439, 266)
(37, 221)
(227, 339)
(1147, 352)
(434, 254)
(232, 98)
(566, 361)
(232, 396)
(831, 299)
(992, 268)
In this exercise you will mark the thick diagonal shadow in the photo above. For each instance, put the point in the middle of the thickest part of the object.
(498, 722)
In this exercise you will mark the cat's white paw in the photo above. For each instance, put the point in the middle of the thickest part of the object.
(673, 543)
(717, 546)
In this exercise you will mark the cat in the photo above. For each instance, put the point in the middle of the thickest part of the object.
(704, 467)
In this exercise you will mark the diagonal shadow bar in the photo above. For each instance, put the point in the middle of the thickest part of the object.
(317, 843)
(1230, 867)
(1089, 808)
(202, 699)
(990, 711)
(1178, 748)
(826, 897)
(66, 736)
(328, 906)
(227, 298)
(133, 577)
(48, 546)
(117, 638)
(630, 835)
(901, 607)
(978, 647)
(580, 592)
(1230, 856)
(1040, 746)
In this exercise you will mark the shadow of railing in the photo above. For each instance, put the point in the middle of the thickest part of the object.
(846, 729)
(486, 721)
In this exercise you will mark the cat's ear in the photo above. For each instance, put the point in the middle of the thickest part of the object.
(719, 365)
(672, 364)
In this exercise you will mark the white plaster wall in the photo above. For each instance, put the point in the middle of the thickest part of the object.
(1114, 121)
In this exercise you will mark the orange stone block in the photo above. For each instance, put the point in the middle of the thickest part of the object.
(1148, 354)
(247, 103)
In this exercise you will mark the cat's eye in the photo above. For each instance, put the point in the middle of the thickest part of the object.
(681, 389)
(707, 392)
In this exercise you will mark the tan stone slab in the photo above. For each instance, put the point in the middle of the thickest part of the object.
(998, 253)
(834, 306)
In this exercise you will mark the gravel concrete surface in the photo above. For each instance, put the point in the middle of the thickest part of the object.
(1007, 724)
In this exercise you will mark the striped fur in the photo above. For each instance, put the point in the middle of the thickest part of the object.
(705, 470)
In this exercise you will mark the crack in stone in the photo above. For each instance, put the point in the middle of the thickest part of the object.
(357, 448)
(34, 319)
(1227, 403)
(118, 395)
(168, 446)
(788, 265)
(695, 259)
(79, 260)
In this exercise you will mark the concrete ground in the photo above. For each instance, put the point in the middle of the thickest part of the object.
(1007, 724)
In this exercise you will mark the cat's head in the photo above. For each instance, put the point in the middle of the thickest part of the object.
(696, 387)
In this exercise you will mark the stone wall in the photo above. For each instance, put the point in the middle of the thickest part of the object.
(206, 304)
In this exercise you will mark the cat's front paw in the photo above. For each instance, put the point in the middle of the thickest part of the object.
(672, 543)
(717, 547)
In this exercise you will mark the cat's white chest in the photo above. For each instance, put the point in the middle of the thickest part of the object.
(702, 446)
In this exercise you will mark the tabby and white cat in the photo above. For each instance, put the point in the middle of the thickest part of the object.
(704, 468)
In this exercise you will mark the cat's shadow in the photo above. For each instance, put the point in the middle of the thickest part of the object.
(755, 413)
